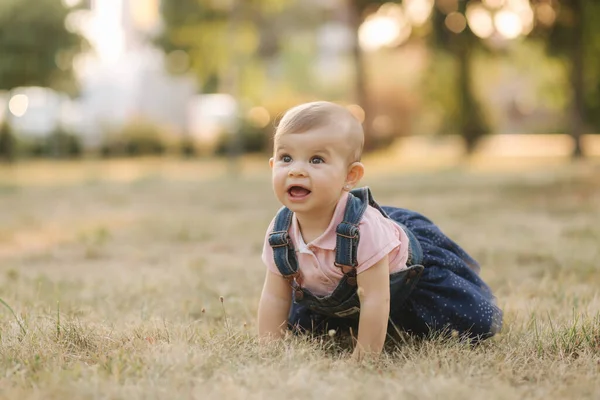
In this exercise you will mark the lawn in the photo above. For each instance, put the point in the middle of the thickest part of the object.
(143, 283)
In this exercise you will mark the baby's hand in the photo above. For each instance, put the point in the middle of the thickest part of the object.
(359, 355)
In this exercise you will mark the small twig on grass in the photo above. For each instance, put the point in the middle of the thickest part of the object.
(14, 315)
(57, 319)
(225, 315)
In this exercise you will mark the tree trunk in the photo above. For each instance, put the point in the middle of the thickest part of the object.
(471, 122)
(360, 81)
(577, 117)
(7, 143)
(231, 86)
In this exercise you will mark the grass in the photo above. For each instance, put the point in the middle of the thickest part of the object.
(145, 286)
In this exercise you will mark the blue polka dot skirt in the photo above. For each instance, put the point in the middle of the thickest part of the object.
(450, 296)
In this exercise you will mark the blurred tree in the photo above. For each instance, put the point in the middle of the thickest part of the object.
(7, 142)
(216, 35)
(358, 9)
(219, 39)
(452, 34)
(449, 35)
(571, 29)
(36, 47)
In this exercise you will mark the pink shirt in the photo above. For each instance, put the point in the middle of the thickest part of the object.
(378, 236)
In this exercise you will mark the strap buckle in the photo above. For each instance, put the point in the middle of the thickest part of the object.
(295, 281)
(349, 272)
(347, 230)
(279, 239)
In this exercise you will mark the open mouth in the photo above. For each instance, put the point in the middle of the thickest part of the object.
(298, 192)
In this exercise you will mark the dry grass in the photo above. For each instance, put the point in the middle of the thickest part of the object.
(115, 282)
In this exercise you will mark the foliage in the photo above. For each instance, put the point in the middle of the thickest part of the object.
(441, 110)
(468, 118)
(559, 38)
(251, 138)
(365, 7)
(216, 35)
(465, 115)
(136, 138)
(59, 144)
(187, 147)
(62, 144)
(36, 47)
(7, 142)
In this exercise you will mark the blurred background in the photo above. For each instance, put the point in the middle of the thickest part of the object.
(122, 78)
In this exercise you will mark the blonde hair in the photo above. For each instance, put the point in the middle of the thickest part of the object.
(318, 114)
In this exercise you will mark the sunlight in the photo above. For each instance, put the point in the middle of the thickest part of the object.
(145, 13)
(106, 32)
(3, 107)
(523, 9)
(418, 11)
(480, 21)
(388, 27)
(508, 24)
(378, 31)
(494, 3)
(357, 111)
(545, 13)
(259, 116)
(18, 105)
(71, 3)
(456, 22)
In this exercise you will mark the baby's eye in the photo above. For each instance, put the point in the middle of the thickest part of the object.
(285, 158)
(317, 160)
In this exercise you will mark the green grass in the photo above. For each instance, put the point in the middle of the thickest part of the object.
(113, 290)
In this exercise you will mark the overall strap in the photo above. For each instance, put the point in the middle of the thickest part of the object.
(283, 249)
(348, 233)
(365, 195)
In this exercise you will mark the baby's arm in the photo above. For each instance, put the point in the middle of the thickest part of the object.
(274, 307)
(374, 293)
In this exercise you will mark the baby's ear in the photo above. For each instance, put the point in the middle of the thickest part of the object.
(355, 173)
(271, 162)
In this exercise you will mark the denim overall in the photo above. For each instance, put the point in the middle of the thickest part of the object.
(439, 291)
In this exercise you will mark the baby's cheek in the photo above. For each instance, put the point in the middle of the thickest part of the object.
(278, 177)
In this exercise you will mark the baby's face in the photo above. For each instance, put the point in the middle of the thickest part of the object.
(310, 168)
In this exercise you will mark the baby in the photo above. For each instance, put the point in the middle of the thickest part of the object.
(336, 259)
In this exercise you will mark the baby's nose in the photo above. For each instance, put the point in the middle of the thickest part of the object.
(295, 171)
